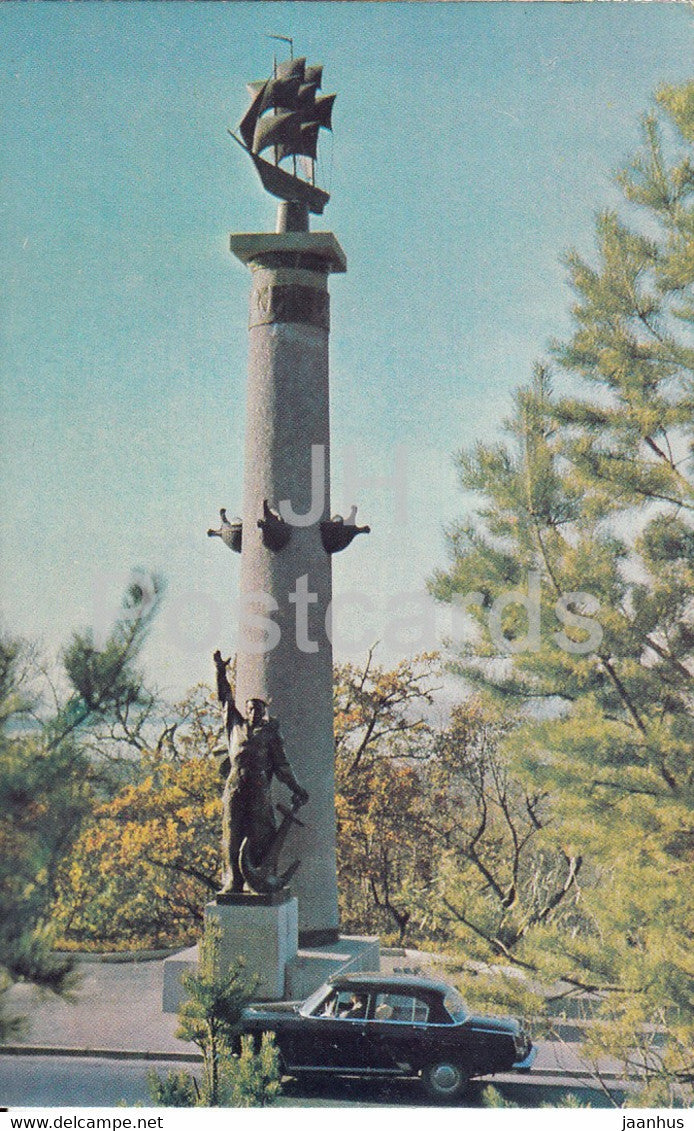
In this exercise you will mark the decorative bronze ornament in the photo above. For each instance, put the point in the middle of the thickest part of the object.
(275, 531)
(229, 532)
(339, 532)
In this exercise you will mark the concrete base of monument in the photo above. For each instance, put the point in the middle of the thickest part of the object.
(263, 930)
(265, 933)
(266, 936)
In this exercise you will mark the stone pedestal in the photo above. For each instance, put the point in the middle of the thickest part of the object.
(263, 932)
(350, 954)
(184, 962)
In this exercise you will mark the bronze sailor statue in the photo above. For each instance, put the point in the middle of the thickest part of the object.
(251, 842)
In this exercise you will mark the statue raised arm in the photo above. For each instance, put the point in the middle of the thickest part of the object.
(232, 715)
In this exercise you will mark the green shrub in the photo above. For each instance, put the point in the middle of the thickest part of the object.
(176, 1089)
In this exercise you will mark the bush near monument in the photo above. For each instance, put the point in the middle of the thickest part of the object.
(147, 862)
(236, 1073)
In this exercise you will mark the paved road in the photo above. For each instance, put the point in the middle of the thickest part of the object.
(119, 1008)
(57, 1081)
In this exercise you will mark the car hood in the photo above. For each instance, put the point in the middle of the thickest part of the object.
(509, 1025)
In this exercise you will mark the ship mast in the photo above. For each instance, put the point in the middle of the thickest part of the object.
(290, 41)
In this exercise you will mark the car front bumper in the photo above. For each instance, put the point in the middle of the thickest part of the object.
(526, 1064)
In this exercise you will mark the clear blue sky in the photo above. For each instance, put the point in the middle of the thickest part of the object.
(473, 144)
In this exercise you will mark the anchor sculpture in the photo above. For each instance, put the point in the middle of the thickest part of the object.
(263, 876)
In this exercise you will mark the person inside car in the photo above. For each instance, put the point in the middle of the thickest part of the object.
(356, 1007)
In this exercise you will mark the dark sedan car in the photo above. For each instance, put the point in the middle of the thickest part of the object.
(376, 1025)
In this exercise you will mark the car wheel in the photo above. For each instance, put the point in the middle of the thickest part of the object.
(444, 1080)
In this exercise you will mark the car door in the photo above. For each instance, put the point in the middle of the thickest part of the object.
(327, 1041)
(396, 1032)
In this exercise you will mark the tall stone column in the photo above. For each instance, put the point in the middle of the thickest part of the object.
(287, 416)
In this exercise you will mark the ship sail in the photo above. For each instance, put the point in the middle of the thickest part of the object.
(250, 118)
(301, 142)
(287, 113)
(275, 129)
(306, 95)
(280, 94)
(291, 69)
(313, 74)
(323, 110)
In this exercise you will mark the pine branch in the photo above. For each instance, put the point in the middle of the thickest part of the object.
(623, 693)
(669, 659)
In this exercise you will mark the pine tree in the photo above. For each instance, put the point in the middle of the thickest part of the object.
(46, 784)
(211, 1014)
(587, 513)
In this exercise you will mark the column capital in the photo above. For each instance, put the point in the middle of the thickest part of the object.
(313, 251)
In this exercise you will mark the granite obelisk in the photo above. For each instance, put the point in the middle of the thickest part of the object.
(286, 470)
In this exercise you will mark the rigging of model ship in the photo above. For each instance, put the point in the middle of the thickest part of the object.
(285, 115)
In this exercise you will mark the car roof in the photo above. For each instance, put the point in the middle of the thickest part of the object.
(388, 982)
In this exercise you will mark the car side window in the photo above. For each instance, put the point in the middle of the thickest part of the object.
(331, 1006)
(343, 1004)
(455, 1006)
(400, 1007)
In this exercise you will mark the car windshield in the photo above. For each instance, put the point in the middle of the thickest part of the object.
(316, 999)
(454, 1005)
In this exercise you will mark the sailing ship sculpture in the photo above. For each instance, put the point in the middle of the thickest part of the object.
(286, 114)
